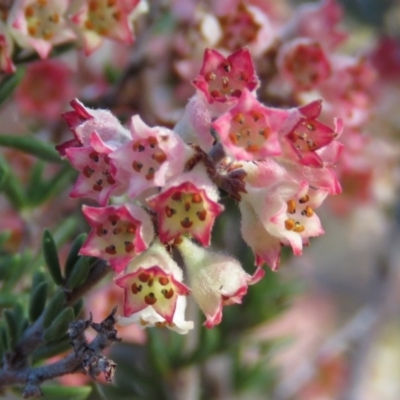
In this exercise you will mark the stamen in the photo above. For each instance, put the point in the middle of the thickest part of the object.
(111, 249)
(168, 293)
(308, 212)
(186, 223)
(298, 227)
(177, 196)
(290, 224)
(129, 247)
(169, 211)
(135, 288)
(196, 198)
(291, 206)
(210, 76)
(137, 166)
(144, 277)
(87, 171)
(304, 199)
(160, 157)
(150, 299)
(163, 280)
(239, 117)
(202, 215)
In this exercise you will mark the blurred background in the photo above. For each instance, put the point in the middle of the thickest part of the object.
(326, 325)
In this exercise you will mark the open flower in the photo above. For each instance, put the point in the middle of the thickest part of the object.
(153, 156)
(40, 24)
(99, 19)
(303, 63)
(309, 135)
(45, 98)
(95, 180)
(188, 204)
(84, 121)
(6, 50)
(280, 213)
(154, 294)
(118, 233)
(249, 130)
(222, 80)
(216, 280)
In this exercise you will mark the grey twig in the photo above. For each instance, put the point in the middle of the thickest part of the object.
(33, 336)
(85, 356)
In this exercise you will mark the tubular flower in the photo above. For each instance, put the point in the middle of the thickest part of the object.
(303, 63)
(154, 294)
(95, 180)
(310, 135)
(100, 19)
(6, 50)
(319, 21)
(249, 130)
(223, 80)
(118, 233)
(286, 212)
(243, 24)
(153, 156)
(45, 98)
(84, 121)
(40, 24)
(189, 204)
(216, 280)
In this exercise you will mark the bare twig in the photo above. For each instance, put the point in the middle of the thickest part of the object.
(32, 337)
(86, 357)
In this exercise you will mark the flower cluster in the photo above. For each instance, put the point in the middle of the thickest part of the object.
(159, 189)
(40, 25)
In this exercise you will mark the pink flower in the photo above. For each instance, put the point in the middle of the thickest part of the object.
(249, 130)
(84, 121)
(154, 294)
(223, 80)
(303, 63)
(6, 50)
(100, 19)
(40, 24)
(349, 90)
(150, 159)
(188, 204)
(319, 21)
(281, 212)
(45, 98)
(95, 180)
(118, 233)
(310, 135)
(216, 280)
(243, 24)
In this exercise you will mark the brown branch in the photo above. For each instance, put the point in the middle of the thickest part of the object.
(85, 356)
(32, 337)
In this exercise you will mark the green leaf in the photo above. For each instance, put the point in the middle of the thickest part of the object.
(38, 277)
(9, 84)
(78, 307)
(12, 328)
(54, 308)
(4, 172)
(73, 255)
(79, 273)
(58, 182)
(60, 325)
(37, 301)
(51, 349)
(14, 190)
(51, 257)
(66, 392)
(29, 144)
